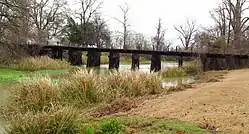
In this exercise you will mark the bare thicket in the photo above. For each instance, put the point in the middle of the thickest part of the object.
(159, 39)
(187, 32)
(232, 24)
(89, 9)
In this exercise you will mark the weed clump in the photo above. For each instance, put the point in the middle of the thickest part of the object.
(132, 84)
(82, 88)
(40, 94)
(174, 72)
(40, 63)
(63, 121)
(191, 68)
(110, 126)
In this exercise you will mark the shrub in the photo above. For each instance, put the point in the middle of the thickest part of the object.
(89, 131)
(110, 126)
(193, 68)
(104, 59)
(63, 121)
(40, 94)
(174, 72)
(40, 63)
(132, 84)
(82, 88)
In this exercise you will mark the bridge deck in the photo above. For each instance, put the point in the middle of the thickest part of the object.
(166, 53)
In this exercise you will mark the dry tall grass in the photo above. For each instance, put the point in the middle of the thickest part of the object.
(83, 87)
(64, 121)
(191, 68)
(42, 99)
(40, 94)
(40, 63)
(132, 84)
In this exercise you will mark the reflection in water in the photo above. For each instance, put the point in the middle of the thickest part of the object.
(172, 82)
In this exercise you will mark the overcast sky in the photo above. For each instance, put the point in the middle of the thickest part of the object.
(143, 15)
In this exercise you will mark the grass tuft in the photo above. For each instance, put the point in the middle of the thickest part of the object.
(40, 63)
(139, 125)
(174, 72)
(82, 88)
(40, 94)
(63, 121)
(110, 126)
(132, 84)
(192, 68)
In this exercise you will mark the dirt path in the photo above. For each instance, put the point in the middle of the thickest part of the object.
(224, 104)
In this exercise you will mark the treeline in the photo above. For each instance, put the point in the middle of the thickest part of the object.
(37, 21)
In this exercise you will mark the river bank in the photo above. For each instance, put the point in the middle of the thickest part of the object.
(219, 105)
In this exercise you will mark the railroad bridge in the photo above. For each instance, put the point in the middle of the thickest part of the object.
(209, 61)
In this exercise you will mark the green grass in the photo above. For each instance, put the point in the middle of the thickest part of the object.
(139, 125)
(12, 75)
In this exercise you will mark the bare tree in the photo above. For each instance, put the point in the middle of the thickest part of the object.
(14, 20)
(47, 17)
(186, 33)
(116, 40)
(140, 41)
(124, 22)
(88, 10)
(222, 22)
(101, 32)
(159, 38)
(231, 22)
(168, 44)
(235, 9)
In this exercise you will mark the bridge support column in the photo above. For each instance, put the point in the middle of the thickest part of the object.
(135, 62)
(93, 59)
(231, 62)
(75, 57)
(114, 60)
(244, 62)
(44, 53)
(213, 64)
(155, 62)
(204, 63)
(238, 62)
(180, 61)
(227, 62)
(56, 53)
